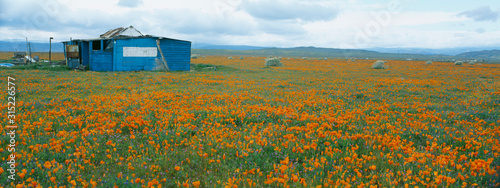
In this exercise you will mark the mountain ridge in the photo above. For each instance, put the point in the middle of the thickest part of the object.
(491, 54)
(485, 54)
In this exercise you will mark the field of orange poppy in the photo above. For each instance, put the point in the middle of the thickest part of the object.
(310, 123)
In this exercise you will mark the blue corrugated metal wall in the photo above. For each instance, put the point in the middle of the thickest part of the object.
(84, 51)
(101, 61)
(177, 54)
(122, 63)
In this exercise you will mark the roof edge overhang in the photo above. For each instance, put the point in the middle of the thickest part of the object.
(125, 37)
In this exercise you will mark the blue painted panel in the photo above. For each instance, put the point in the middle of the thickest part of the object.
(133, 63)
(73, 63)
(177, 54)
(101, 61)
(84, 49)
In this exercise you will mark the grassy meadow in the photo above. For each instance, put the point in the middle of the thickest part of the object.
(310, 123)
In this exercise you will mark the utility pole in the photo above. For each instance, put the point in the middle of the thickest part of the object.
(50, 49)
(27, 47)
(30, 48)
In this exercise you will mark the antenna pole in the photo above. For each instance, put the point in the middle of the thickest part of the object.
(50, 49)
(27, 47)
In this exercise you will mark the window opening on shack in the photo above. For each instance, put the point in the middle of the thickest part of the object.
(108, 46)
(96, 45)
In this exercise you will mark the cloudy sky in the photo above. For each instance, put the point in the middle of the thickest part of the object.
(279, 23)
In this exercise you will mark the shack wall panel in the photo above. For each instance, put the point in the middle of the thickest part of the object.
(101, 61)
(177, 54)
(85, 53)
(124, 62)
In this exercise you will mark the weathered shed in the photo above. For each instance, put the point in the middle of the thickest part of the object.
(127, 49)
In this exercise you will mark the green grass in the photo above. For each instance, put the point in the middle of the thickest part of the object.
(38, 67)
(232, 110)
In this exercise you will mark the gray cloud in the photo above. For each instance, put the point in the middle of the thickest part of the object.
(31, 18)
(286, 10)
(483, 13)
(281, 27)
(130, 3)
(193, 22)
(34, 20)
(3, 8)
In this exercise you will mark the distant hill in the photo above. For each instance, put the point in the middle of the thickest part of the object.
(422, 51)
(318, 52)
(244, 50)
(227, 47)
(485, 54)
(489, 55)
(428, 51)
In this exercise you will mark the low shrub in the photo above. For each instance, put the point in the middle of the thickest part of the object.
(379, 64)
(273, 62)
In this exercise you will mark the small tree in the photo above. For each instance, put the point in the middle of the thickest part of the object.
(194, 56)
(379, 64)
(428, 63)
(273, 62)
(459, 63)
(229, 57)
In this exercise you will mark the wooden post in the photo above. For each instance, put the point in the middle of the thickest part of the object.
(161, 53)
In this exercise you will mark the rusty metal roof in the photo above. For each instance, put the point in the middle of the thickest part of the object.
(122, 31)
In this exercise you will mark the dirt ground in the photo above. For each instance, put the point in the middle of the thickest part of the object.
(56, 56)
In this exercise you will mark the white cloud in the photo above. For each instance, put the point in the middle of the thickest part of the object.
(194, 22)
(129, 3)
(423, 18)
(480, 30)
(322, 23)
(289, 10)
